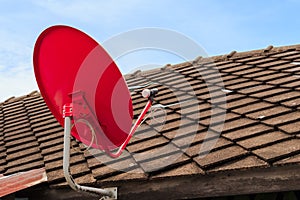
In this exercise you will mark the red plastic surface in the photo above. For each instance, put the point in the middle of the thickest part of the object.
(66, 62)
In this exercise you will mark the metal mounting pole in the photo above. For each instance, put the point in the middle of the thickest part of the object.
(107, 192)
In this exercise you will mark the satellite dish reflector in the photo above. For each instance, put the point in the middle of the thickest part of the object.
(61, 55)
(87, 94)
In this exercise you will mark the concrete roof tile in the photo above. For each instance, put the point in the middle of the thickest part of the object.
(263, 140)
(221, 156)
(279, 150)
(241, 164)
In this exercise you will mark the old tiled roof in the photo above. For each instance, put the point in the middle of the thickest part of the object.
(258, 150)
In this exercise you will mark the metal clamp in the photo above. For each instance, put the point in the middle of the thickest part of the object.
(113, 191)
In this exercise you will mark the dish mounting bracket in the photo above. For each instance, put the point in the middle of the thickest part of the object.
(107, 193)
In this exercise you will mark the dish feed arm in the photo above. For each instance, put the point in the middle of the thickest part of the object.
(146, 94)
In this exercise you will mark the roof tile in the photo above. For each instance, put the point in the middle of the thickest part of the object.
(211, 142)
(147, 144)
(43, 123)
(15, 117)
(134, 174)
(285, 54)
(97, 159)
(292, 103)
(226, 64)
(169, 126)
(285, 67)
(14, 113)
(284, 80)
(16, 120)
(144, 132)
(17, 132)
(16, 128)
(292, 57)
(289, 160)
(190, 107)
(246, 132)
(293, 84)
(253, 107)
(234, 125)
(22, 147)
(17, 142)
(37, 100)
(261, 61)
(115, 168)
(183, 131)
(268, 113)
(183, 170)
(58, 164)
(279, 150)
(249, 59)
(239, 102)
(255, 89)
(221, 156)
(219, 118)
(11, 107)
(38, 110)
(249, 70)
(247, 84)
(50, 143)
(152, 154)
(79, 170)
(20, 154)
(25, 167)
(54, 149)
(12, 137)
(165, 162)
(243, 163)
(47, 127)
(270, 77)
(183, 139)
(291, 128)
(33, 116)
(236, 68)
(52, 136)
(256, 74)
(47, 132)
(24, 160)
(43, 118)
(263, 140)
(274, 63)
(282, 119)
(283, 97)
(269, 93)
(235, 80)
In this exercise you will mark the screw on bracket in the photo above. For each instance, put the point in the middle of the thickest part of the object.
(68, 110)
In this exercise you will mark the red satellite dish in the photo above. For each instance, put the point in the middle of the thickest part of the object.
(85, 91)
(72, 69)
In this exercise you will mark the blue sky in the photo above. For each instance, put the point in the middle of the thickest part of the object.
(218, 26)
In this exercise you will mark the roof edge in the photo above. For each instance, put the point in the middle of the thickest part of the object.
(218, 58)
(14, 99)
(228, 183)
